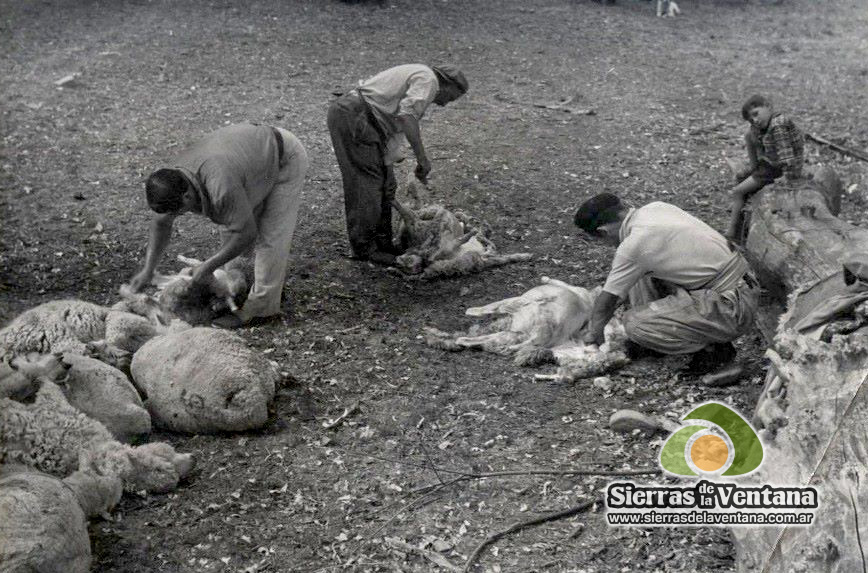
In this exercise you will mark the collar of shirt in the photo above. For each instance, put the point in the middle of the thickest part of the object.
(625, 225)
(197, 187)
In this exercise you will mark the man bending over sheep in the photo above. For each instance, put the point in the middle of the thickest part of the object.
(689, 292)
(367, 127)
(247, 178)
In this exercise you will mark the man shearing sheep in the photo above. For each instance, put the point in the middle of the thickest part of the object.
(248, 179)
(367, 127)
(689, 293)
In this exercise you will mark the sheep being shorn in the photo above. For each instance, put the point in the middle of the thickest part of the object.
(112, 334)
(439, 243)
(44, 520)
(198, 304)
(544, 324)
(54, 437)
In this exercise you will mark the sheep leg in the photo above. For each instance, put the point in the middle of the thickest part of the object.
(493, 308)
(496, 342)
(490, 261)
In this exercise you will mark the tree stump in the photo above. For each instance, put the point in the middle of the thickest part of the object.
(812, 412)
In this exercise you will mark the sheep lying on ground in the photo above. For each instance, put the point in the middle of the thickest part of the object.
(440, 243)
(204, 380)
(545, 324)
(93, 387)
(112, 334)
(54, 437)
(61, 326)
(105, 394)
(44, 523)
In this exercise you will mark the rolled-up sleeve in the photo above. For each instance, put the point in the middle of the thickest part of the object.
(421, 90)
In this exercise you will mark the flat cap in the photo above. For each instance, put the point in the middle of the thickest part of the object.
(452, 74)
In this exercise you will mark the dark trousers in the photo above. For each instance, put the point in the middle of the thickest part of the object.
(369, 184)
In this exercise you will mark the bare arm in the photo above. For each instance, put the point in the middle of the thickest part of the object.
(410, 127)
(604, 309)
(160, 235)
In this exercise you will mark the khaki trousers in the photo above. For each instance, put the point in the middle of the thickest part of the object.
(276, 219)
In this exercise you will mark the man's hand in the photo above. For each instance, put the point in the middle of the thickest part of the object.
(423, 168)
(138, 282)
(205, 278)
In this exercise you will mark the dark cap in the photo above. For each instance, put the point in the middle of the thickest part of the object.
(452, 74)
(598, 210)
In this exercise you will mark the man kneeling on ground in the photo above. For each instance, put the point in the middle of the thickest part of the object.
(248, 179)
(688, 291)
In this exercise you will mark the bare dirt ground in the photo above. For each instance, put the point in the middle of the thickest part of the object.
(666, 93)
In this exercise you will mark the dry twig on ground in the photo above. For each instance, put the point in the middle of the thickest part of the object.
(524, 524)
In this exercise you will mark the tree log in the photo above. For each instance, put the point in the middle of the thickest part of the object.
(812, 413)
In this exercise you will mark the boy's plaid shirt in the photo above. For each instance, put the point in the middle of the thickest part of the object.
(784, 145)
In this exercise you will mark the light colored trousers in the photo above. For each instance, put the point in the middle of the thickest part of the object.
(276, 219)
(686, 322)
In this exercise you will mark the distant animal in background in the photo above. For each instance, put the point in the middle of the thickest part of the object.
(667, 8)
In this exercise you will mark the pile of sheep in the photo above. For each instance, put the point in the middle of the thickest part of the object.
(80, 383)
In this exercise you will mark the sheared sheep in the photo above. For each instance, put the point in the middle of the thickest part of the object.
(544, 324)
(204, 380)
(52, 436)
(439, 243)
(44, 520)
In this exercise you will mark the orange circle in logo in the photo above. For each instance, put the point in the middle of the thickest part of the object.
(709, 453)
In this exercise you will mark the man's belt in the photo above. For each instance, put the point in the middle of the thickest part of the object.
(372, 119)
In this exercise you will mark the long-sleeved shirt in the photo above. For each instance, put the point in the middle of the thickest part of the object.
(782, 147)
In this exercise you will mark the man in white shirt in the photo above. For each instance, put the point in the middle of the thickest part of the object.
(367, 127)
(688, 292)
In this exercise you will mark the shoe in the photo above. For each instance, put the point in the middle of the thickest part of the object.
(710, 358)
(381, 258)
(636, 351)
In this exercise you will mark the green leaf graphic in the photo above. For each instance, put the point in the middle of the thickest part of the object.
(748, 448)
(672, 455)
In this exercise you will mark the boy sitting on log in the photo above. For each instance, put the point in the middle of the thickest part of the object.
(775, 147)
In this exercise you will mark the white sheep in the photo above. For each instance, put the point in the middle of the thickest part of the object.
(52, 436)
(113, 334)
(204, 380)
(93, 387)
(544, 324)
(44, 520)
(105, 394)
